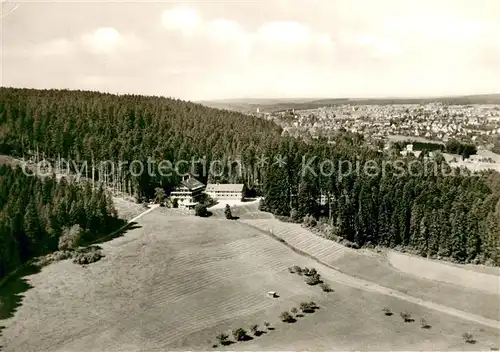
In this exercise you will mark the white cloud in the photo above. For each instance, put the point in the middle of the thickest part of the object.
(184, 19)
(224, 30)
(205, 49)
(108, 40)
(284, 33)
(102, 40)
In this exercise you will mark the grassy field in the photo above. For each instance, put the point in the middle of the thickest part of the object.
(375, 268)
(174, 282)
(437, 271)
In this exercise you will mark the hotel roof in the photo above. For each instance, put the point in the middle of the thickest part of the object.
(225, 187)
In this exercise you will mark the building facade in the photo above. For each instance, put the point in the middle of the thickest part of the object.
(229, 191)
(189, 193)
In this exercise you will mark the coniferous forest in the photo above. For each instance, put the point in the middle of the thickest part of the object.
(448, 214)
(34, 212)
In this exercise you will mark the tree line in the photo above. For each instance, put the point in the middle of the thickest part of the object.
(35, 212)
(435, 214)
(450, 213)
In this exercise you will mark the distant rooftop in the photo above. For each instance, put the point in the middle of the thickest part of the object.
(192, 184)
(227, 187)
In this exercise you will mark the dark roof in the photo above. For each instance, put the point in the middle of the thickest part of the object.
(224, 187)
(192, 184)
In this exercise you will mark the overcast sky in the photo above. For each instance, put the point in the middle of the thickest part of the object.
(273, 48)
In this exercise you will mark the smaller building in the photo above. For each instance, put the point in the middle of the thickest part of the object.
(189, 193)
(229, 191)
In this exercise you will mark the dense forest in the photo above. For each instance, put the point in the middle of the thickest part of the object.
(91, 127)
(454, 215)
(35, 212)
(444, 214)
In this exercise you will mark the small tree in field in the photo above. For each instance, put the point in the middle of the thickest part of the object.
(222, 338)
(70, 237)
(175, 203)
(239, 334)
(387, 311)
(159, 195)
(297, 269)
(227, 212)
(325, 287)
(267, 324)
(200, 210)
(286, 317)
(313, 280)
(424, 324)
(294, 311)
(254, 329)
(307, 307)
(468, 338)
(406, 317)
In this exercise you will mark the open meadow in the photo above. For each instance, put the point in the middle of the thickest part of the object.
(174, 282)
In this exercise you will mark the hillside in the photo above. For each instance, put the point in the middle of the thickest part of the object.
(445, 214)
(175, 282)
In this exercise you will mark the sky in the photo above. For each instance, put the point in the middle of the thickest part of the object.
(202, 50)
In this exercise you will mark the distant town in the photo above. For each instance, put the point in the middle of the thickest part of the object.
(434, 121)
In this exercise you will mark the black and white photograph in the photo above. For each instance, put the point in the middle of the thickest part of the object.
(249, 175)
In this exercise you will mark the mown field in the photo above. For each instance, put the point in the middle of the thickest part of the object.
(376, 268)
(174, 282)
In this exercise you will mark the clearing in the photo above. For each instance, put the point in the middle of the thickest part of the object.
(174, 282)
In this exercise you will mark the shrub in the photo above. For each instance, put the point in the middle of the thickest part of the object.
(307, 307)
(387, 311)
(88, 255)
(175, 203)
(294, 215)
(313, 280)
(200, 210)
(309, 221)
(227, 212)
(254, 329)
(468, 338)
(325, 287)
(406, 317)
(290, 270)
(424, 324)
(313, 272)
(262, 205)
(305, 271)
(70, 237)
(239, 334)
(222, 338)
(286, 317)
(349, 244)
(267, 324)
(294, 311)
(297, 269)
(54, 257)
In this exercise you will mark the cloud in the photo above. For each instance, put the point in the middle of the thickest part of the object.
(107, 40)
(284, 33)
(184, 19)
(55, 47)
(102, 40)
(224, 30)
(203, 50)
(227, 44)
